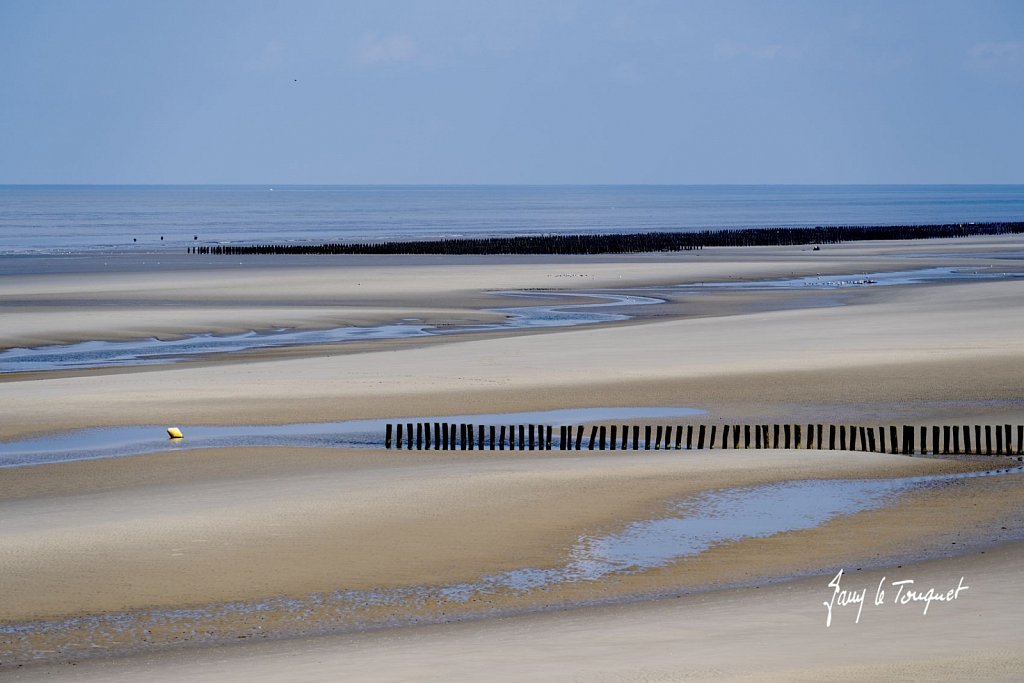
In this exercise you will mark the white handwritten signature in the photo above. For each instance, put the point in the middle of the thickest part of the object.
(905, 594)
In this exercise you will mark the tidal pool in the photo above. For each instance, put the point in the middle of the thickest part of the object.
(692, 525)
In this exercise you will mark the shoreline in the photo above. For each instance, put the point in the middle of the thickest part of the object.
(176, 531)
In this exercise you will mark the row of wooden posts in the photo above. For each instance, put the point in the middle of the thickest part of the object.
(945, 440)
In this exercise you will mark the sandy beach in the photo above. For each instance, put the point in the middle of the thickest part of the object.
(105, 564)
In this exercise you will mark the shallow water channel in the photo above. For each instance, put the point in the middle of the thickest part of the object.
(110, 442)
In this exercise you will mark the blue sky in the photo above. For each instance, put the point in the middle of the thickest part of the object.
(511, 92)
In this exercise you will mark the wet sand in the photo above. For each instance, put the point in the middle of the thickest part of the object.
(190, 529)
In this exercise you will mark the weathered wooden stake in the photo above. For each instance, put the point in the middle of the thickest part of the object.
(947, 441)
(531, 428)
(831, 437)
(419, 436)
(775, 432)
(700, 437)
(493, 434)
(999, 440)
(579, 437)
(593, 436)
(956, 439)
(853, 438)
(711, 440)
(679, 437)
(636, 437)
(872, 443)
(601, 439)
(842, 437)
(689, 437)
(908, 440)
(988, 439)
(501, 438)
(548, 429)
(613, 437)
(387, 435)
(625, 437)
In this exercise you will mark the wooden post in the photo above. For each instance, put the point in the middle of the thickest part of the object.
(593, 435)
(967, 439)
(908, 440)
(796, 436)
(408, 435)
(924, 438)
(501, 438)
(1020, 439)
(725, 434)
(398, 435)
(947, 440)
(601, 438)
(548, 429)
(531, 436)
(956, 439)
(775, 432)
(689, 437)
(842, 437)
(444, 434)
(462, 436)
(820, 443)
(1008, 433)
(831, 437)
(863, 433)
(387, 435)
(647, 437)
(977, 439)
(579, 437)
(679, 437)
(746, 436)
(625, 437)
(757, 436)
(988, 439)
(428, 437)
(711, 440)
(493, 431)
(872, 443)
(561, 438)
(613, 437)
(894, 439)
(636, 437)
(419, 436)
(999, 440)
(522, 437)
(700, 437)
(469, 436)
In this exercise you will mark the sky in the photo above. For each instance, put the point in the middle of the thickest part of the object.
(518, 92)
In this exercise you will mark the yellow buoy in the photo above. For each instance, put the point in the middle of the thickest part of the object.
(174, 432)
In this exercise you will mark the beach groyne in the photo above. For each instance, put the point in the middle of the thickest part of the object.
(617, 243)
(904, 439)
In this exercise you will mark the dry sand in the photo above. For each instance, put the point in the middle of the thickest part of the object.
(195, 528)
(772, 633)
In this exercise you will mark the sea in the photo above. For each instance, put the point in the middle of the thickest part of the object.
(85, 218)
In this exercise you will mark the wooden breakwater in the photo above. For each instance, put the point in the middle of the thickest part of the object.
(616, 243)
(906, 440)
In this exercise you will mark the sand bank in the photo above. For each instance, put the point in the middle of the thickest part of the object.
(774, 633)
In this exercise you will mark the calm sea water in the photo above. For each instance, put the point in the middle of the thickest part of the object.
(85, 218)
